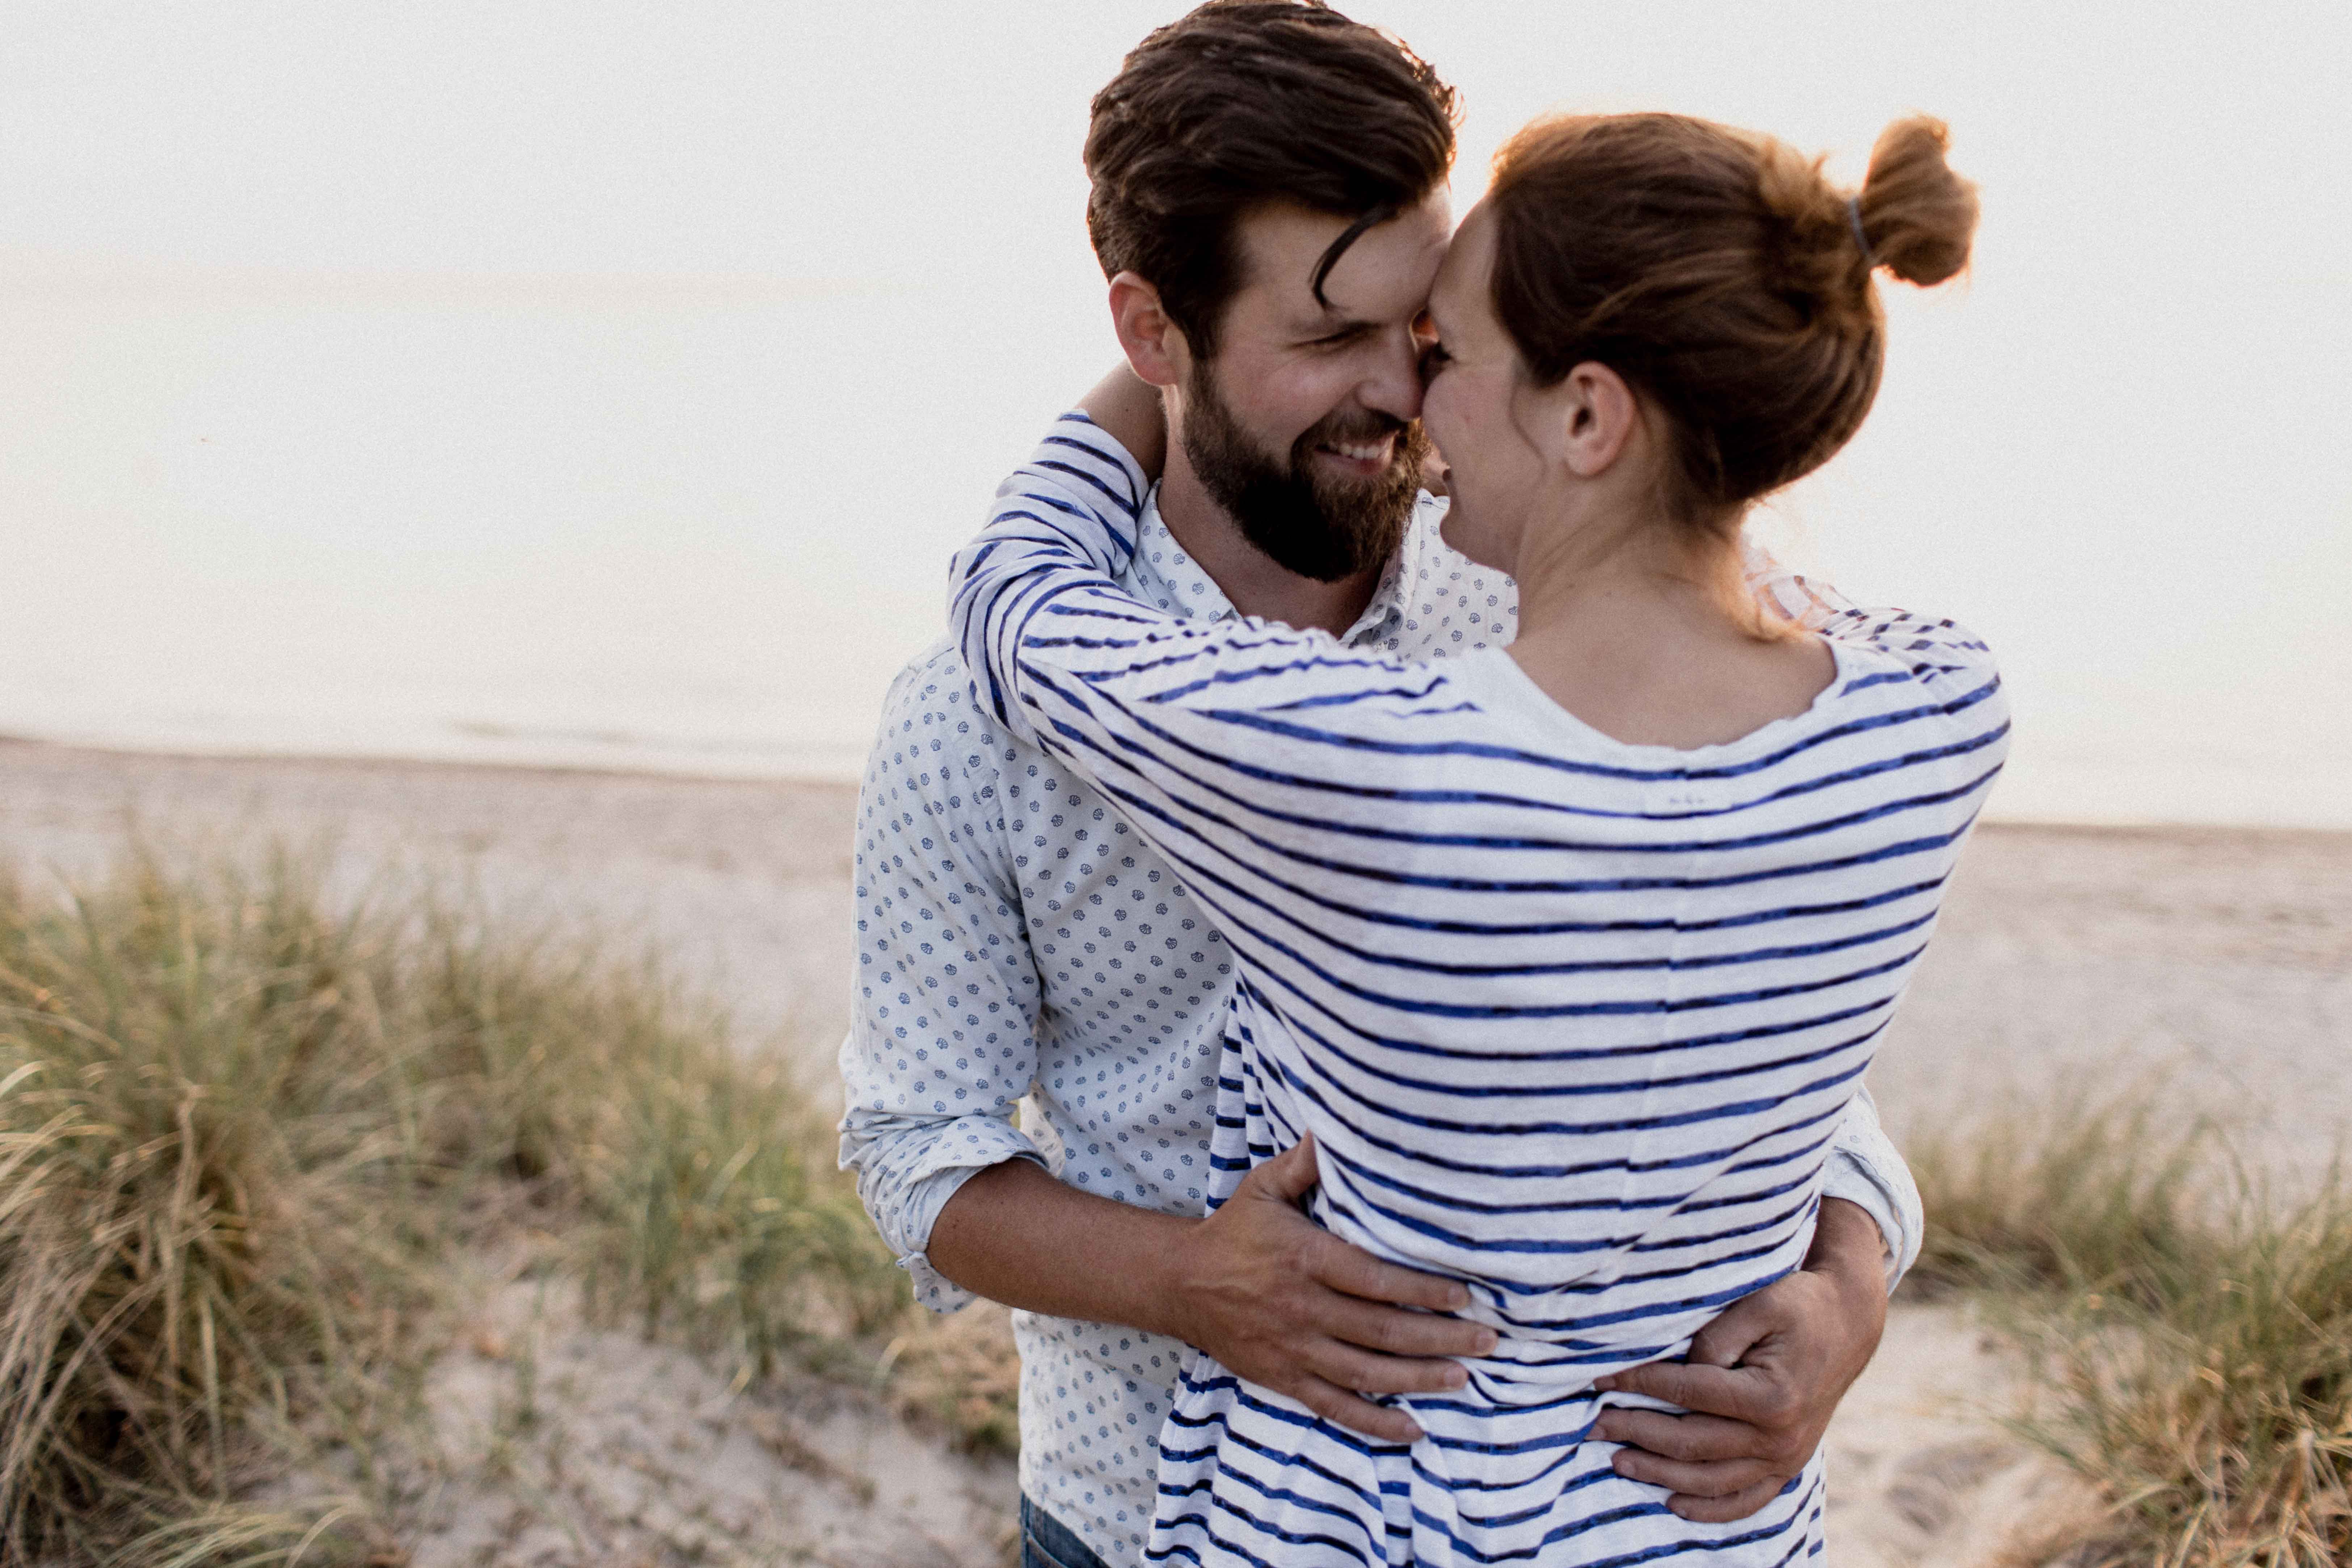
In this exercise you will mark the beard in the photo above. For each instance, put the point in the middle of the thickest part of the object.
(1307, 523)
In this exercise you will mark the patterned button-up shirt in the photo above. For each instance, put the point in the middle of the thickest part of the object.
(1022, 954)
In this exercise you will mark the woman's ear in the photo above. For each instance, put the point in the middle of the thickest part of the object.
(1155, 346)
(1598, 413)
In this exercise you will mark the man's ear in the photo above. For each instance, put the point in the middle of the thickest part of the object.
(1598, 415)
(1155, 346)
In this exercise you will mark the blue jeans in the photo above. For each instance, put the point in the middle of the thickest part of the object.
(1047, 1541)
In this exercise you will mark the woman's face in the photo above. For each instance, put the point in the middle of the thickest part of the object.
(1478, 406)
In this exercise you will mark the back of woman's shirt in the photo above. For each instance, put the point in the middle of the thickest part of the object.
(1563, 1012)
(1571, 1019)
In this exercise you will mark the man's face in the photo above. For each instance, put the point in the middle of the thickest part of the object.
(1305, 426)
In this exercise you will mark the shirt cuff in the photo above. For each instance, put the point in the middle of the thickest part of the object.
(925, 1198)
(909, 1166)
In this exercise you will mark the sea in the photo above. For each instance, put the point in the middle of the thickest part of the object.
(696, 525)
(606, 384)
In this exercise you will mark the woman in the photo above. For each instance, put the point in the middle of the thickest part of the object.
(1567, 957)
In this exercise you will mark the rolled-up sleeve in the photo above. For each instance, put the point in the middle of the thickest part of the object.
(942, 1041)
(1866, 1169)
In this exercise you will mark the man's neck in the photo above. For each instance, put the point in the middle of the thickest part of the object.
(1251, 580)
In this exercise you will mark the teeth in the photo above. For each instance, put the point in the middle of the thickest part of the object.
(1371, 452)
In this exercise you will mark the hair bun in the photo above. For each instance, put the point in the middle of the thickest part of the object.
(1917, 215)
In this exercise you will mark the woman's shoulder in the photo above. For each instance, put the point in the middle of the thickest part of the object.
(1919, 666)
(1923, 645)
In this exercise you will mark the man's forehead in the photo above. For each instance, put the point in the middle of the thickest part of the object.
(1384, 270)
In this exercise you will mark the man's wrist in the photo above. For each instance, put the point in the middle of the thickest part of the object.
(1016, 1234)
(1849, 1250)
(1165, 1296)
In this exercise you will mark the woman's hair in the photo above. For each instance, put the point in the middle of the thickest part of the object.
(1721, 276)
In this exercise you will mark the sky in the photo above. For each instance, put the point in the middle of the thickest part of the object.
(601, 381)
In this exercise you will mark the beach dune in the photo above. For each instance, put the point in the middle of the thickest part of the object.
(2213, 966)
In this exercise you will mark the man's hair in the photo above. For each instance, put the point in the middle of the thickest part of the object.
(1242, 104)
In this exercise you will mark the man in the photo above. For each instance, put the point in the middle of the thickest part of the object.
(1268, 204)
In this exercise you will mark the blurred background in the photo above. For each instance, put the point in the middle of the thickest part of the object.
(608, 383)
(602, 388)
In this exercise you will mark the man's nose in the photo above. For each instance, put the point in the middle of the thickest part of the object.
(1392, 386)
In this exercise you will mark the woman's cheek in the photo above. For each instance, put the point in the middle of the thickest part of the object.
(1437, 421)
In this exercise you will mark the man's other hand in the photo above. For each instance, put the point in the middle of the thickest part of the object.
(1285, 1303)
(1762, 1381)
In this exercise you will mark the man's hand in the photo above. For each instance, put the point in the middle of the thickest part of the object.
(1762, 1381)
(1285, 1303)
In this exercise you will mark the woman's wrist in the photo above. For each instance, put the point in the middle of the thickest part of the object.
(1127, 408)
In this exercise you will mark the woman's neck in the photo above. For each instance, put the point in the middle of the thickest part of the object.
(1646, 630)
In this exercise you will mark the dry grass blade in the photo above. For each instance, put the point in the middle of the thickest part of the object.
(187, 1191)
(2192, 1331)
(239, 1128)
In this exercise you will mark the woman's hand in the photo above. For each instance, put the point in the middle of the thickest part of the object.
(1127, 408)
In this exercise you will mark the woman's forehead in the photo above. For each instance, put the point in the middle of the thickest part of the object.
(1458, 297)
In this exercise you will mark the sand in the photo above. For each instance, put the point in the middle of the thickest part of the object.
(2069, 958)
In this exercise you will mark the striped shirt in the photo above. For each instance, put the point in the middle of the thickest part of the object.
(1017, 942)
(1571, 1020)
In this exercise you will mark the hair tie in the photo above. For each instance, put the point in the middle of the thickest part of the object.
(1853, 216)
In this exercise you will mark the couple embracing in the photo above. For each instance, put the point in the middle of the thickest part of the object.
(1436, 943)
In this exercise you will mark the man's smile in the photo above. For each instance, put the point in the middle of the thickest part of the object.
(1360, 460)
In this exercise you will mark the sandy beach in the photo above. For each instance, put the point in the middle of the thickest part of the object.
(2218, 962)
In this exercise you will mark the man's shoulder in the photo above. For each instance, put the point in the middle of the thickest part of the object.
(932, 679)
(934, 736)
(1448, 604)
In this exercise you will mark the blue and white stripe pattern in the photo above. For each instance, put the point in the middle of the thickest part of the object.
(1570, 1020)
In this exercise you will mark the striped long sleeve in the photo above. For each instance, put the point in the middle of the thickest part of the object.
(1570, 1019)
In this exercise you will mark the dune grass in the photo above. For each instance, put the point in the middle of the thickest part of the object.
(243, 1126)
(2189, 1329)
(240, 1126)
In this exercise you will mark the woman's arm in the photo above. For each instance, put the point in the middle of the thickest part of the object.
(1275, 769)
(1128, 409)
(1168, 714)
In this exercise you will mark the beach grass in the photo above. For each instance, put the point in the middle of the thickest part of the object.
(246, 1127)
(243, 1128)
(2187, 1325)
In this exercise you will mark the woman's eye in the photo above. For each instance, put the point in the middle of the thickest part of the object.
(1433, 359)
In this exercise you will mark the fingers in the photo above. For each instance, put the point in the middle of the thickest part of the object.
(1700, 1439)
(1393, 1332)
(1358, 1415)
(1717, 1481)
(1289, 1176)
(1737, 1394)
(1723, 1342)
(1356, 1272)
(1724, 1510)
(1351, 1368)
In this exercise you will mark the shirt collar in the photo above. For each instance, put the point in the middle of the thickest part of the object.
(1163, 573)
